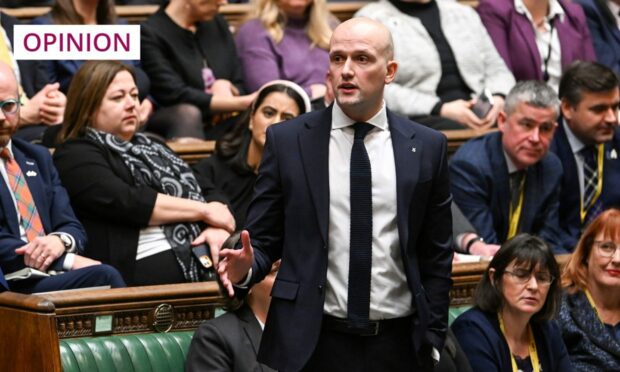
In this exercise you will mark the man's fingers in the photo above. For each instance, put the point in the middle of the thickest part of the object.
(245, 240)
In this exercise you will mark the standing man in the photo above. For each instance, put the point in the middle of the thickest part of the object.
(37, 226)
(588, 144)
(507, 182)
(343, 195)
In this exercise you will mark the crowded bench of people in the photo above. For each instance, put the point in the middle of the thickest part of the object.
(407, 185)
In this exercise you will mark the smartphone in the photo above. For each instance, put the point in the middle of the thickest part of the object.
(484, 104)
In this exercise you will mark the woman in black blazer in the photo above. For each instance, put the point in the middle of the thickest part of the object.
(142, 207)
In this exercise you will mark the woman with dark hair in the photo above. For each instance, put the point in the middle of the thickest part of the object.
(508, 329)
(590, 310)
(238, 153)
(142, 207)
(88, 12)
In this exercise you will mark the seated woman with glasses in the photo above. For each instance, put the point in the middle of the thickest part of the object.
(509, 329)
(590, 310)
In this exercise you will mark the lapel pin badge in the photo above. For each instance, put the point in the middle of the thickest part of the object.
(29, 162)
(31, 173)
(613, 154)
(413, 149)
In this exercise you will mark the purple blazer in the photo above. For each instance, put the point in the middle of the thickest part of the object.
(515, 40)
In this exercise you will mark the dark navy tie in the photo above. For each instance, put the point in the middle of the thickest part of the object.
(360, 255)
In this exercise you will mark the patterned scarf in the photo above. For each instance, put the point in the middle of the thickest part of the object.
(153, 164)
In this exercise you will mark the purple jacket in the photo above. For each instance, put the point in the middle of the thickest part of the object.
(515, 40)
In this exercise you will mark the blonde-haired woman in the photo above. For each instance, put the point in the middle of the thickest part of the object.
(286, 39)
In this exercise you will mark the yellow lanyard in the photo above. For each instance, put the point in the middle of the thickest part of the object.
(515, 215)
(599, 185)
(531, 346)
(591, 301)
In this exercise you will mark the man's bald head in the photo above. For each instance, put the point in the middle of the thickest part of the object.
(366, 27)
(361, 63)
(8, 91)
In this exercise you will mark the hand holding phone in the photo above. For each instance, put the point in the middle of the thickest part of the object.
(484, 104)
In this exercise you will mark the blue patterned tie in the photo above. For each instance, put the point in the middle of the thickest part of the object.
(590, 183)
(360, 255)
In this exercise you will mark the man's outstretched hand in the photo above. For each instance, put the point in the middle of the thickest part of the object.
(235, 263)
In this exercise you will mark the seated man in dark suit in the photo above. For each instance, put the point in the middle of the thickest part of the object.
(230, 342)
(43, 103)
(507, 182)
(588, 144)
(37, 226)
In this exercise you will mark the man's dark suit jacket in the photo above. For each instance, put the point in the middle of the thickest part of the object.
(289, 219)
(570, 219)
(227, 343)
(480, 186)
(32, 73)
(50, 198)
(604, 32)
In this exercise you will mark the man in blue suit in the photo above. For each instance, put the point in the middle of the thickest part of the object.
(602, 17)
(506, 182)
(588, 128)
(343, 195)
(37, 226)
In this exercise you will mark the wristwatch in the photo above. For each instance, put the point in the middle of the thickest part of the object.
(67, 241)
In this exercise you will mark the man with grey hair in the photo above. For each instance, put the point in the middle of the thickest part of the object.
(507, 182)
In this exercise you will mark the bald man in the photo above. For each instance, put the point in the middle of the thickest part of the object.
(38, 230)
(343, 195)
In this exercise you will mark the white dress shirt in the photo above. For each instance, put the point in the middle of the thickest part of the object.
(390, 296)
(615, 10)
(576, 146)
(546, 36)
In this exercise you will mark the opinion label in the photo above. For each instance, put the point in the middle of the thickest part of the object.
(81, 42)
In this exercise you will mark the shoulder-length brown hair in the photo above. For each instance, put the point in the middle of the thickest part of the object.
(575, 275)
(64, 13)
(86, 92)
(273, 20)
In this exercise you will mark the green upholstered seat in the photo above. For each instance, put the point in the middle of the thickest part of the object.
(456, 311)
(150, 352)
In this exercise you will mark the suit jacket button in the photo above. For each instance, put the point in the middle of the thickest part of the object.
(321, 288)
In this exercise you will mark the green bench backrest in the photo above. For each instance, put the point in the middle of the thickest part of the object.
(152, 352)
(149, 352)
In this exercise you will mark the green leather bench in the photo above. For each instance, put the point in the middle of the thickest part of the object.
(150, 352)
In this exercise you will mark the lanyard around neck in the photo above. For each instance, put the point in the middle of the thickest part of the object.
(515, 215)
(591, 301)
(599, 184)
(531, 346)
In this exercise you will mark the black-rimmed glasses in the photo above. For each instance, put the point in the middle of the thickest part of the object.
(522, 276)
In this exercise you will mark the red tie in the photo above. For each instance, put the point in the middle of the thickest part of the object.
(29, 217)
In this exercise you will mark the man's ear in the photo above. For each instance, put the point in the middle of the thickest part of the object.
(392, 67)
(501, 122)
(567, 109)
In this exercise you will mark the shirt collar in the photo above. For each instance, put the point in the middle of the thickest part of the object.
(9, 147)
(511, 165)
(555, 9)
(575, 143)
(341, 120)
(614, 8)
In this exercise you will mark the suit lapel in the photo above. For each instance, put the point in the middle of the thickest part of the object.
(566, 38)
(407, 154)
(8, 207)
(526, 30)
(502, 185)
(314, 146)
(251, 327)
(31, 174)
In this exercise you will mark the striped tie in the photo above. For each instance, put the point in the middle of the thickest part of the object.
(591, 202)
(28, 215)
